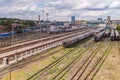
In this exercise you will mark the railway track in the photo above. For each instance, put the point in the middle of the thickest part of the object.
(20, 38)
(50, 66)
(68, 57)
(98, 65)
(24, 38)
(34, 49)
(86, 60)
(29, 60)
(62, 61)
(58, 61)
(25, 62)
(61, 74)
(118, 43)
(88, 64)
(21, 45)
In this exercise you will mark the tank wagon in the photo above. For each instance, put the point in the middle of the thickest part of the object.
(117, 35)
(99, 36)
(78, 38)
(112, 35)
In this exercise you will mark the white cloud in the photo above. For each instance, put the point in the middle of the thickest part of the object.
(95, 13)
(115, 5)
(59, 9)
(83, 5)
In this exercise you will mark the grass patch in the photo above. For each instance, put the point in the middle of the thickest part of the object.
(54, 58)
(53, 70)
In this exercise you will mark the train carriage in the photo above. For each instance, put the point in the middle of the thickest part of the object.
(99, 36)
(112, 36)
(117, 35)
(107, 33)
(76, 39)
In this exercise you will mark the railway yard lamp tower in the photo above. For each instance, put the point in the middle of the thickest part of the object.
(12, 34)
(43, 23)
(47, 22)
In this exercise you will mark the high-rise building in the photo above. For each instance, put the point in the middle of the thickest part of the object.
(100, 20)
(73, 19)
(108, 21)
(108, 18)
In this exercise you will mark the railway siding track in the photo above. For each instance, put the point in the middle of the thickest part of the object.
(110, 68)
(19, 54)
(66, 69)
(49, 66)
(99, 64)
(57, 66)
(79, 60)
(63, 70)
(73, 73)
(45, 44)
(28, 61)
(40, 56)
(21, 45)
(86, 60)
(89, 65)
(118, 43)
(18, 39)
(63, 63)
(19, 66)
(92, 63)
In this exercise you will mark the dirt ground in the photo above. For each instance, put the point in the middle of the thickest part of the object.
(111, 67)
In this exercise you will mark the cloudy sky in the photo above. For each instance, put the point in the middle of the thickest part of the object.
(60, 9)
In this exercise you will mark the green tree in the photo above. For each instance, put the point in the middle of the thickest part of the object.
(118, 28)
(7, 23)
(31, 23)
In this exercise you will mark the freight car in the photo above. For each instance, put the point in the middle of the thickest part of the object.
(117, 35)
(78, 38)
(99, 36)
(107, 33)
(112, 36)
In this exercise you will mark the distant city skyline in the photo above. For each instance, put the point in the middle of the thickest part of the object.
(60, 9)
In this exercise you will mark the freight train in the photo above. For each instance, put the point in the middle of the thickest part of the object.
(99, 36)
(107, 33)
(117, 35)
(99, 30)
(78, 38)
(112, 36)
